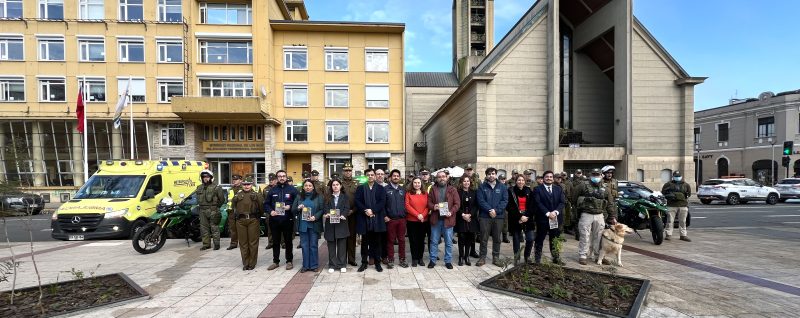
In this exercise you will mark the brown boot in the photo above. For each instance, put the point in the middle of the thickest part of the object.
(273, 266)
(289, 266)
(481, 262)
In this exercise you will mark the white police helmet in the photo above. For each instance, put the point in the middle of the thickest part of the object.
(608, 168)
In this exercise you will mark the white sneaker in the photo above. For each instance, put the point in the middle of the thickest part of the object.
(330, 270)
(343, 270)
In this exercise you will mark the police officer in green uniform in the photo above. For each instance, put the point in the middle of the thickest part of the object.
(210, 197)
(248, 207)
(319, 185)
(349, 186)
(611, 183)
(510, 182)
(595, 204)
(566, 186)
(425, 176)
(235, 188)
(529, 178)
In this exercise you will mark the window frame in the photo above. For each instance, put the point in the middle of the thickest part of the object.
(87, 41)
(45, 42)
(288, 90)
(203, 7)
(4, 13)
(330, 131)
(90, 81)
(376, 122)
(336, 87)
(368, 52)
(168, 130)
(727, 126)
(162, 15)
(5, 41)
(204, 52)
(165, 44)
(124, 3)
(165, 84)
(287, 57)
(766, 126)
(127, 42)
(49, 81)
(83, 9)
(330, 53)
(44, 12)
(122, 82)
(5, 92)
(290, 125)
(221, 88)
(367, 99)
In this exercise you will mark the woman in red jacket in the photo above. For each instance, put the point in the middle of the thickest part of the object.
(416, 220)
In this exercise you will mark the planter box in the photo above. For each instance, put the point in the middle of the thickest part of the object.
(634, 311)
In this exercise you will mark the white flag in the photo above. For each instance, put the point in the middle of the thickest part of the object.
(121, 105)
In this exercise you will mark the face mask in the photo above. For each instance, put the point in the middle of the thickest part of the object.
(595, 179)
(677, 179)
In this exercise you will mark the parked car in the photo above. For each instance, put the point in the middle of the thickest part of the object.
(736, 190)
(788, 188)
(21, 202)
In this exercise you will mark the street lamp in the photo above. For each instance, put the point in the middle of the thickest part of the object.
(697, 167)
(772, 163)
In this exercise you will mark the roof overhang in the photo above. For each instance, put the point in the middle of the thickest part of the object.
(336, 26)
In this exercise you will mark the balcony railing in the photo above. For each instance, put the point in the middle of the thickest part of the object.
(478, 3)
(478, 19)
(477, 37)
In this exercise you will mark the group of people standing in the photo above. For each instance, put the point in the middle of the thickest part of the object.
(382, 211)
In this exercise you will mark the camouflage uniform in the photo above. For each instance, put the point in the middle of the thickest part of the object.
(210, 197)
(595, 204)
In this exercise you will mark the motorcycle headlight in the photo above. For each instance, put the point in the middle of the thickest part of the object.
(117, 213)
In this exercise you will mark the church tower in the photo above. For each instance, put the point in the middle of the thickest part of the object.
(473, 34)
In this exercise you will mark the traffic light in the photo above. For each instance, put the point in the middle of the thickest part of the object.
(786, 160)
(788, 148)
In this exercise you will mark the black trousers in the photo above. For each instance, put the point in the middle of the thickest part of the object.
(282, 230)
(466, 244)
(542, 230)
(416, 238)
(371, 246)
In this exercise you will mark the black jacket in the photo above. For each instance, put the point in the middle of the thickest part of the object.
(469, 205)
(515, 212)
(335, 231)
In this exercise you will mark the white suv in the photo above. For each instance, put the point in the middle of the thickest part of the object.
(735, 191)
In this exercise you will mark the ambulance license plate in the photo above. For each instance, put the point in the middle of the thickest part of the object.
(75, 238)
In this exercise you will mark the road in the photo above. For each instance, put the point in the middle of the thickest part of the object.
(782, 221)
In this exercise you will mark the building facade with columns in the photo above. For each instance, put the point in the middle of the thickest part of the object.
(248, 86)
(572, 85)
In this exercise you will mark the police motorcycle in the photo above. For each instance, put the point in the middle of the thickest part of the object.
(171, 220)
(641, 210)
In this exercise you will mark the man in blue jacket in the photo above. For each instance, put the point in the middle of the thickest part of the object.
(492, 201)
(370, 199)
(548, 203)
(281, 197)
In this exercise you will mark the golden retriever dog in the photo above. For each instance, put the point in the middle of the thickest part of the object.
(611, 242)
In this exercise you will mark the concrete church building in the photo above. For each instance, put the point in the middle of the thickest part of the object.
(574, 84)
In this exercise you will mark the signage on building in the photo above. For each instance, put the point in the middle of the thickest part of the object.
(242, 146)
(706, 156)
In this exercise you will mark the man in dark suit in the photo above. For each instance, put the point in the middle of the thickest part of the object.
(548, 202)
(370, 199)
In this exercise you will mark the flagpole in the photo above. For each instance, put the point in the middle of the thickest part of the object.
(85, 137)
(130, 101)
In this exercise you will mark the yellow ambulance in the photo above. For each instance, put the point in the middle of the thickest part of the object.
(118, 199)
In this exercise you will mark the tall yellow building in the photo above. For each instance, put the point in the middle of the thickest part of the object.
(248, 86)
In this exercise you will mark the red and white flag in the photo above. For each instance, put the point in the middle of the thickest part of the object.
(80, 110)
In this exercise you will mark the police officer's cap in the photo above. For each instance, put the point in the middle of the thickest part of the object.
(314, 173)
(248, 180)
(272, 176)
(514, 171)
(676, 174)
(596, 171)
(335, 176)
(579, 171)
(502, 177)
(290, 179)
(348, 166)
(424, 171)
(528, 172)
(469, 167)
(306, 174)
(236, 177)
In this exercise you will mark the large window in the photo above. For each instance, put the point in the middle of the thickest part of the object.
(337, 131)
(226, 87)
(377, 95)
(12, 89)
(722, 132)
(337, 96)
(51, 9)
(170, 51)
(131, 10)
(169, 88)
(226, 52)
(91, 10)
(336, 166)
(377, 132)
(52, 90)
(766, 127)
(295, 58)
(11, 48)
(377, 60)
(131, 50)
(94, 89)
(296, 130)
(169, 11)
(11, 9)
(225, 13)
(378, 163)
(173, 135)
(51, 49)
(92, 49)
(336, 59)
(295, 96)
(138, 89)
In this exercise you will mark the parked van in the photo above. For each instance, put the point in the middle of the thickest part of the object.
(118, 199)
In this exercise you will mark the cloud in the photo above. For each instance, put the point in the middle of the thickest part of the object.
(412, 59)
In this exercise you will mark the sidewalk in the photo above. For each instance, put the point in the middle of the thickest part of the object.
(186, 282)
